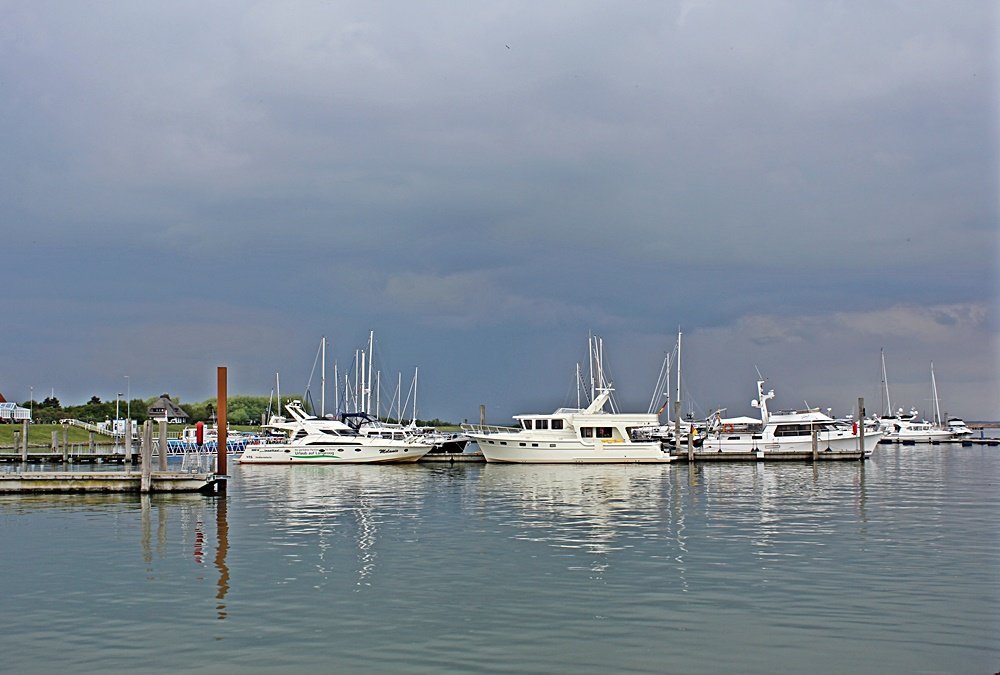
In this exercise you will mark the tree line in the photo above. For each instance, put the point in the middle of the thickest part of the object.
(243, 410)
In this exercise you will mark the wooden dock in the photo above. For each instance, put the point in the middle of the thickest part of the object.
(107, 481)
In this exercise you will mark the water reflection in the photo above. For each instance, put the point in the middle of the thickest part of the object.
(593, 510)
(194, 508)
(321, 504)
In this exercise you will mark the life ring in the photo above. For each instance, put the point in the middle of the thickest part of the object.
(727, 428)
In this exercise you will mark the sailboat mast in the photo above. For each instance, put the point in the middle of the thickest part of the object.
(885, 384)
(416, 371)
(590, 356)
(371, 358)
(937, 406)
(277, 384)
(322, 382)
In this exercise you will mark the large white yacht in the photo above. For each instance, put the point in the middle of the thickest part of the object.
(787, 433)
(571, 435)
(305, 439)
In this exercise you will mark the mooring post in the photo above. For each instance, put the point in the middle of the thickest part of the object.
(815, 440)
(24, 441)
(861, 425)
(55, 442)
(146, 456)
(91, 443)
(482, 414)
(17, 442)
(163, 445)
(223, 435)
(65, 443)
(690, 445)
(128, 443)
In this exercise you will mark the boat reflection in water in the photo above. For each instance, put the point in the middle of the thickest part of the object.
(320, 505)
(596, 510)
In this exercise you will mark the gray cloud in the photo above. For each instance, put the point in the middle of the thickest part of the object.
(505, 177)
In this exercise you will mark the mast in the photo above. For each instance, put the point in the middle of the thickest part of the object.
(378, 392)
(934, 394)
(885, 384)
(590, 357)
(578, 384)
(416, 371)
(322, 381)
(336, 388)
(371, 357)
(277, 384)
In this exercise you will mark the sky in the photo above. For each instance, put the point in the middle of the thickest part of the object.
(794, 186)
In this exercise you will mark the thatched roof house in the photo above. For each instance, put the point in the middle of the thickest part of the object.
(165, 409)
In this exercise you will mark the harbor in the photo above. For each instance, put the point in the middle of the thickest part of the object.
(755, 552)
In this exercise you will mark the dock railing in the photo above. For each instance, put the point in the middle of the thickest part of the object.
(487, 429)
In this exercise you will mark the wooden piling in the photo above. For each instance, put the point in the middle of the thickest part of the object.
(815, 442)
(690, 446)
(24, 441)
(128, 443)
(91, 445)
(54, 447)
(146, 456)
(163, 446)
(861, 426)
(482, 414)
(17, 442)
(65, 443)
(221, 412)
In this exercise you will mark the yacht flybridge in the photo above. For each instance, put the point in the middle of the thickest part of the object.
(305, 439)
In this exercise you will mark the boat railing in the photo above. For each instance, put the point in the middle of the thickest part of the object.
(487, 429)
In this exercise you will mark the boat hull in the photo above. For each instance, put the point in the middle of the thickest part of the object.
(510, 449)
(341, 454)
(742, 444)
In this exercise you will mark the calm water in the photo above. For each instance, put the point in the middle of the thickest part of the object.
(888, 566)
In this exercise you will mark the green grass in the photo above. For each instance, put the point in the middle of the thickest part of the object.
(41, 434)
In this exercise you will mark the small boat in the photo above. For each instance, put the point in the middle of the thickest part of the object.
(787, 432)
(306, 439)
(958, 428)
(573, 435)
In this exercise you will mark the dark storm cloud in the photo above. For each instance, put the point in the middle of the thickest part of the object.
(506, 176)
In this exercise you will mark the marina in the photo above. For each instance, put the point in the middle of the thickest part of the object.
(712, 567)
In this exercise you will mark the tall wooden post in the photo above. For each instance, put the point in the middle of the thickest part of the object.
(91, 443)
(690, 445)
(17, 442)
(815, 440)
(163, 445)
(128, 444)
(55, 442)
(221, 416)
(146, 456)
(65, 443)
(24, 441)
(482, 414)
(861, 426)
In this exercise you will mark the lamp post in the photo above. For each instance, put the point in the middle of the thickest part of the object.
(31, 403)
(117, 414)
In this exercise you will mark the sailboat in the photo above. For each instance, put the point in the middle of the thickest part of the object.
(899, 427)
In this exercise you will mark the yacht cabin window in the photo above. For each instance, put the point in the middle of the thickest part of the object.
(587, 432)
(541, 424)
(557, 424)
(604, 432)
(526, 424)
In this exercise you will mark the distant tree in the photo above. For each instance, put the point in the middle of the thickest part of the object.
(94, 400)
(50, 402)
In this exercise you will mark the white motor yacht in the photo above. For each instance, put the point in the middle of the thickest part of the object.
(787, 432)
(901, 428)
(305, 439)
(571, 435)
